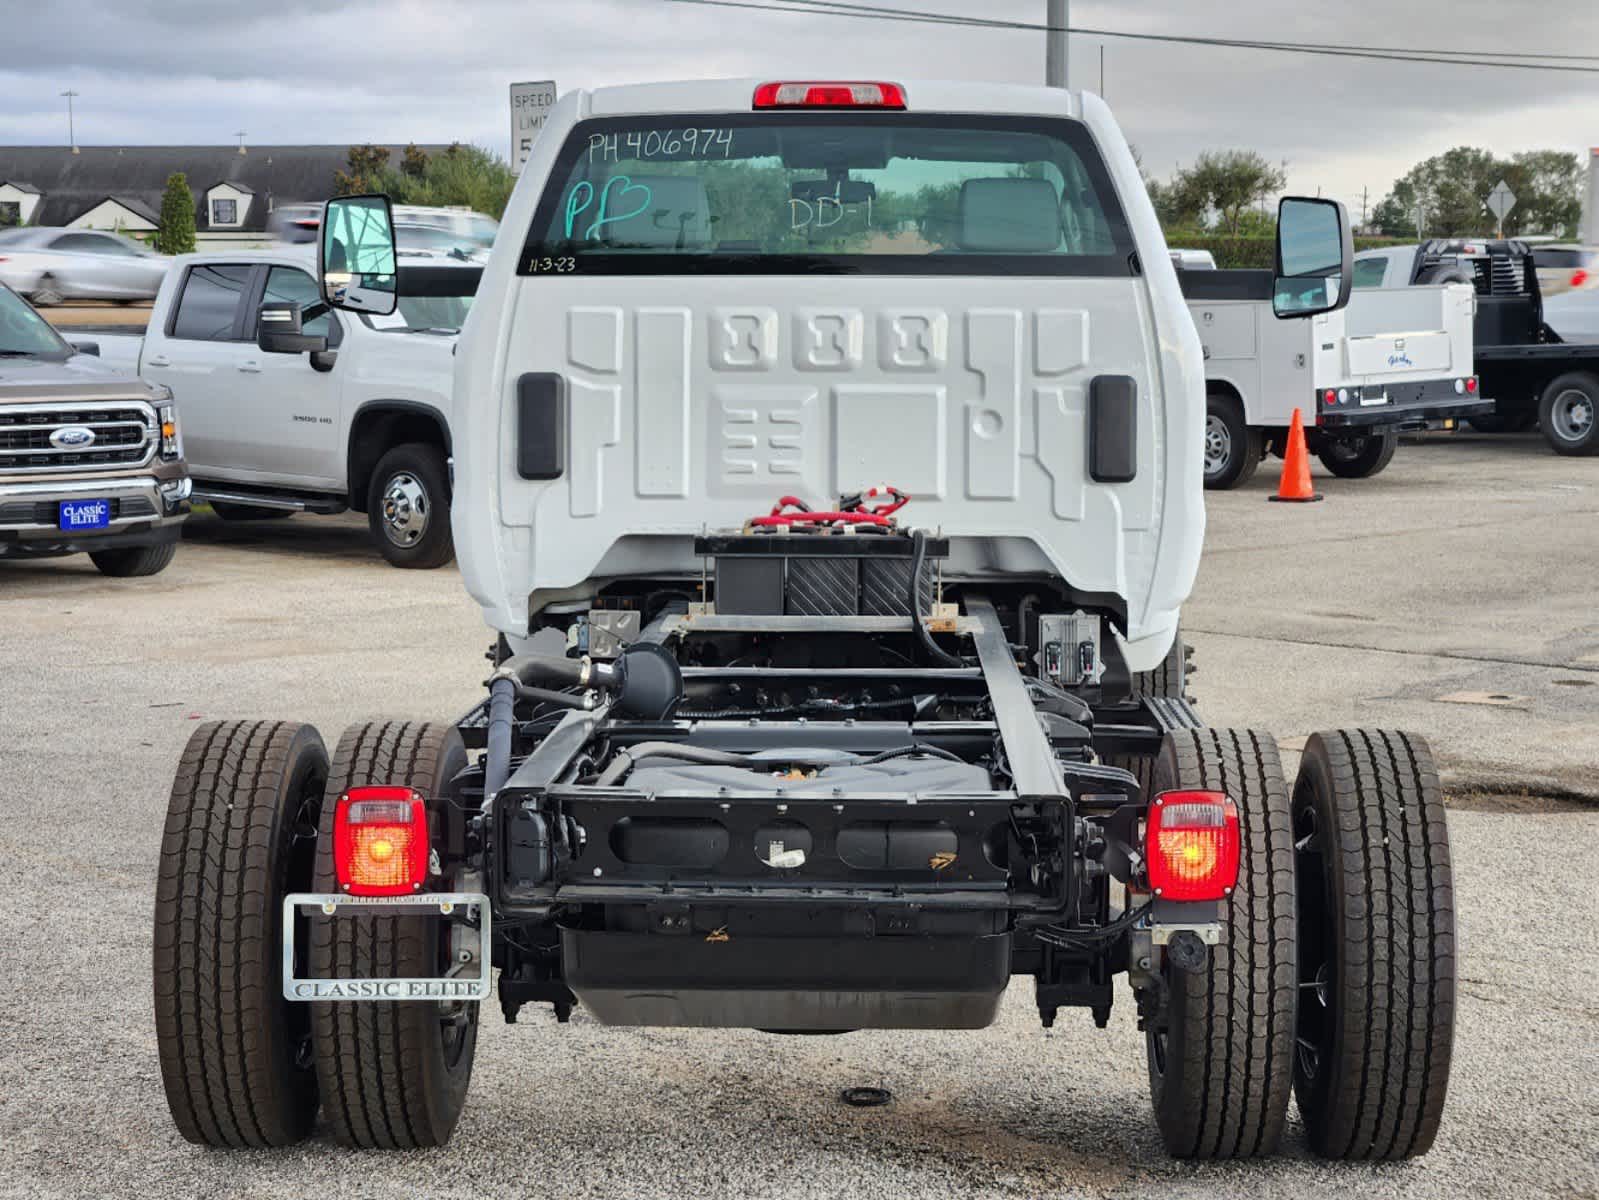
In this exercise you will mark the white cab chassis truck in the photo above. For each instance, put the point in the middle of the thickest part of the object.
(1389, 362)
(828, 464)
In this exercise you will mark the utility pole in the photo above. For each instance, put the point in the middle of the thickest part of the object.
(72, 132)
(1055, 67)
(240, 136)
(1102, 70)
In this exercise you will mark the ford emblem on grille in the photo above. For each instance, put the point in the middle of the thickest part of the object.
(72, 437)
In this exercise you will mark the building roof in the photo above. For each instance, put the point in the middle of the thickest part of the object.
(136, 206)
(20, 186)
(72, 183)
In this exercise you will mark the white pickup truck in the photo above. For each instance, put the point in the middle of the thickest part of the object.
(358, 418)
(1386, 363)
(824, 754)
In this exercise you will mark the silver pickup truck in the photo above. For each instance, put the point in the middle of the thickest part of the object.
(90, 460)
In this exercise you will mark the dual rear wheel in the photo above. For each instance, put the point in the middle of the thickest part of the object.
(1335, 972)
(250, 821)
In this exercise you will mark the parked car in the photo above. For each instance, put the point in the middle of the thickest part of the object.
(1193, 260)
(295, 224)
(51, 265)
(1574, 315)
(1565, 268)
(475, 227)
(434, 242)
(358, 417)
(91, 461)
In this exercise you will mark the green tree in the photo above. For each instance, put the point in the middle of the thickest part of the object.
(468, 176)
(1228, 183)
(368, 165)
(1450, 190)
(415, 163)
(175, 235)
(1548, 186)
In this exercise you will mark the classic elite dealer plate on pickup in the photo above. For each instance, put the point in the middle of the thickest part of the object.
(85, 514)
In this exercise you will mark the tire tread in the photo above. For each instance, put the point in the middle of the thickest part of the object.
(1234, 1026)
(377, 1090)
(215, 958)
(1392, 935)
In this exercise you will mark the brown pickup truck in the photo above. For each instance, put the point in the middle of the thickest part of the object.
(90, 460)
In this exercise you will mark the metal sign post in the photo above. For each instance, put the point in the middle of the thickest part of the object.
(530, 106)
(1500, 201)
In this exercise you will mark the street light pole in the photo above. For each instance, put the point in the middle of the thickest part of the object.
(72, 133)
(1055, 65)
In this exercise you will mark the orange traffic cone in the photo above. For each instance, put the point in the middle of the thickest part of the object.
(1295, 482)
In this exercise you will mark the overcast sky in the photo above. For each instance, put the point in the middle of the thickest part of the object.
(197, 71)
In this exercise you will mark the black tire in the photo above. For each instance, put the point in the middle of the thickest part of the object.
(235, 1055)
(131, 562)
(1376, 943)
(46, 293)
(1568, 413)
(1170, 678)
(1359, 457)
(1233, 450)
(1447, 273)
(230, 511)
(408, 507)
(1221, 1061)
(394, 1076)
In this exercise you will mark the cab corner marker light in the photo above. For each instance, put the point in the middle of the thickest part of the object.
(830, 95)
(380, 841)
(1191, 844)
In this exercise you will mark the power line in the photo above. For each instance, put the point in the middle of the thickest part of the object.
(871, 10)
(1376, 53)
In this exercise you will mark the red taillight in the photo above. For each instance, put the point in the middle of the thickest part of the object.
(1579, 277)
(1471, 383)
(1191, 843)
(830, 95)
(1330, 396)
(380, 841)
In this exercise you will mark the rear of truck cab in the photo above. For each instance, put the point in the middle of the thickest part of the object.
(964, 294)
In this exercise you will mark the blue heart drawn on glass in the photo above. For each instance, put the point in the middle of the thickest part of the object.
(606, 217)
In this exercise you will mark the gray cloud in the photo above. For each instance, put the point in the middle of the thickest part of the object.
(168, 71)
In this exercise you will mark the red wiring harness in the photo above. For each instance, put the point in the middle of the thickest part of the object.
(851, 510)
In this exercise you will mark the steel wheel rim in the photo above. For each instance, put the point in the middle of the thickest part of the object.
(405, 510)
(1218, 444)
(1314, 1030)
(1572, 415)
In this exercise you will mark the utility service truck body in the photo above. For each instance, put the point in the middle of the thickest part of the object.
(1533, 374)
(1389, 362)
(828, 465)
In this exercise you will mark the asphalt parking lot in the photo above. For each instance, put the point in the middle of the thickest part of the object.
(1466, 572)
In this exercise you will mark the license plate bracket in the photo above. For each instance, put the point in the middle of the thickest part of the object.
(75, 515)
(442, 988)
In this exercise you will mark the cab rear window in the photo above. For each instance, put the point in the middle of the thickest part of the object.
(817, 193)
